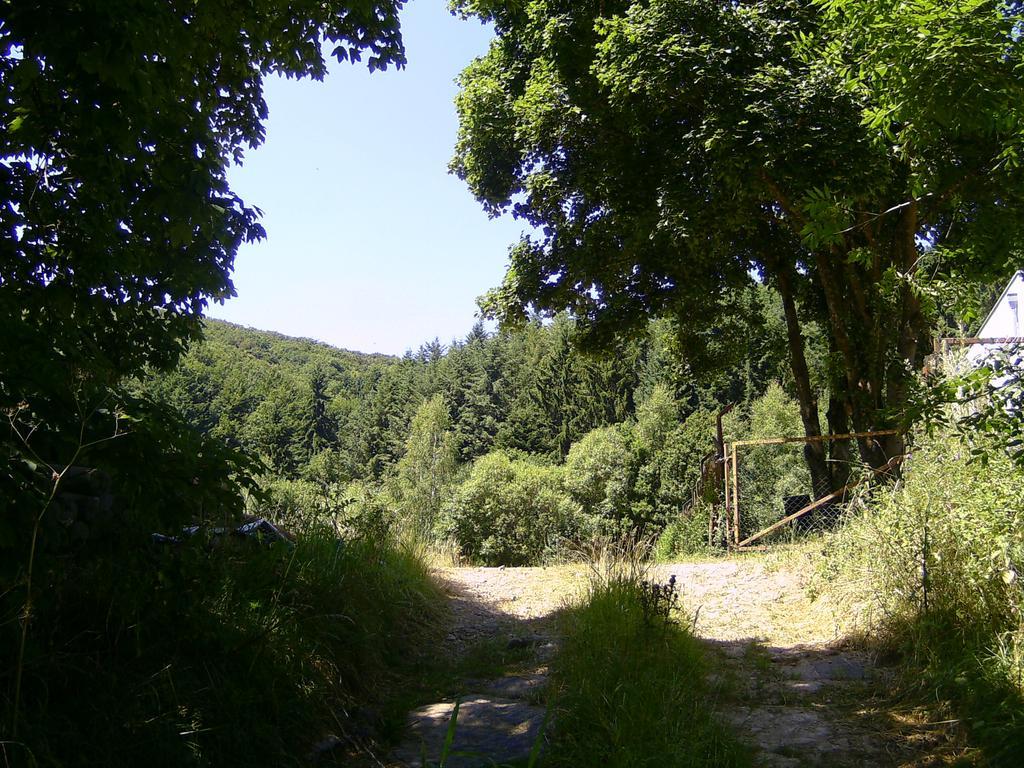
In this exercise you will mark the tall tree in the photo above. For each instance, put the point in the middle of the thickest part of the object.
(428, 466)
(666, 150)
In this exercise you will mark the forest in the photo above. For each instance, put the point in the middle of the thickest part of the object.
(616, 437)
(225, 546)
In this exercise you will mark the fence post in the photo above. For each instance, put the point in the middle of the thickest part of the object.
(735, 497)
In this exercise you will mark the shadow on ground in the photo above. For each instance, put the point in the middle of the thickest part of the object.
(498, 659)
(825, 705)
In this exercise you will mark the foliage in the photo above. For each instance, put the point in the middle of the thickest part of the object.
(769, 473)
(656, 417)
(937, 561)
(981, 400)
(685, 534)
(121, 120)
(161, 472)
(427, 469)
(509, 512)
(600, 472)
(533, 393)
(178, 641)
(371, 511)
(299, 504)
(846, 151)
(629, 691)
(668, 476)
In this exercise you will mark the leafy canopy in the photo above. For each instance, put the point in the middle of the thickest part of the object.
(846, 151)
(118, 120)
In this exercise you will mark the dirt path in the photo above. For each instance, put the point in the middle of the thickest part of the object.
(784, 680)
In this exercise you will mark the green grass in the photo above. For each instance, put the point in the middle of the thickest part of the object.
(629, 691)
(933, 565)
(216, 654)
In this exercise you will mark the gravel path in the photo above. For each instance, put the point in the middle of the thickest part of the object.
(785, 680)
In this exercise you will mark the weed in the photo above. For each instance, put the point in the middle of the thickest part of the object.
(933, 565)
(631, 692)
(658, 601)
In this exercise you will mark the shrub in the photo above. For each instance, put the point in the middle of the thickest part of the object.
(216, 653)
(297, 504)
(686, 534)
(139, 653)
(600, 473)
(509, 512)
(674, 470)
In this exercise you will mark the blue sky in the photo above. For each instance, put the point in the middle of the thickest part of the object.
(371, 244)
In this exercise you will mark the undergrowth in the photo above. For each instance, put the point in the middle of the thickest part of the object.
(629, 686)
(215, 653)
(933, 564)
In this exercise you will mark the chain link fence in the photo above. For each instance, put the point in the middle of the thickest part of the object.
(771, 498)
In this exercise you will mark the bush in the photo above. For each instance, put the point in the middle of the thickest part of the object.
(629, 688)
(686, 534)
(138, 653)
(509, 512)
(600, 474)
(937, 561)
(298, 504)
(672, 472)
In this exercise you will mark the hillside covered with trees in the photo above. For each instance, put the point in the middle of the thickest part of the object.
(450, 438)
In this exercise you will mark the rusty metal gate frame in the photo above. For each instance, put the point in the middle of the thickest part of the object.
(730, 461)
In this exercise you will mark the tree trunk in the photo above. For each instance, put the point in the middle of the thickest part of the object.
(840, 451)
(814, 452)
(862, 392)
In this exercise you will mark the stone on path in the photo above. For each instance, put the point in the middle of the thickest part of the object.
(488, 731)
(516, 686)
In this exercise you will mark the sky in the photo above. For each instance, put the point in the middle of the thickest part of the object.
(371, 244)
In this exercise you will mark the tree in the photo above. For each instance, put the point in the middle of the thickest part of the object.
(600, 475)
(120, 119)
(428, 466)
(470, 390)
(510, 512)
(845, 151)
(322, 431)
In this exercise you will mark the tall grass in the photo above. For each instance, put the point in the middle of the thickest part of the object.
(629, 686)
(933, 564)
(212, 654)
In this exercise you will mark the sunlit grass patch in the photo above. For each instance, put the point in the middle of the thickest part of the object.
(629, 686)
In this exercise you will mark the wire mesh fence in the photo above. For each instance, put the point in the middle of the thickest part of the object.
(770, 495)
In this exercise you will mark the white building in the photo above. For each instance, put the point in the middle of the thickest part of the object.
(1003, 322)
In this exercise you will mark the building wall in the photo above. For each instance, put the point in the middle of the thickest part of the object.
(1006, 319)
